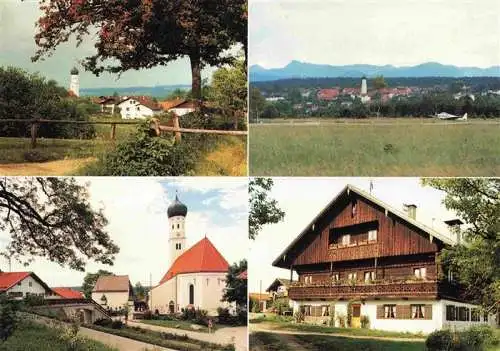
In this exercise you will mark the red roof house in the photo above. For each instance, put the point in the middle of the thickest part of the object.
(13, 283)
(328, 94)
(68, 293)
(201, 257)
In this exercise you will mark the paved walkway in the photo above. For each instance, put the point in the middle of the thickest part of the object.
(234, 335)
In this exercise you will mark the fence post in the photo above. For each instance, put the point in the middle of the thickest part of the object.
(34, 129)
(176, 125)
(113, 131)
(155, 125)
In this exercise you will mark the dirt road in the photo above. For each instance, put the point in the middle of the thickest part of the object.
(51, 168)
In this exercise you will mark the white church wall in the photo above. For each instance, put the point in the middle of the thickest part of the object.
(208, 290)
(161, 295)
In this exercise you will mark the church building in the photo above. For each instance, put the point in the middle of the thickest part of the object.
(196, 275)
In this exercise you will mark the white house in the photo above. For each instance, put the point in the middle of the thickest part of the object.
(18, 285)
(196, 277)
(138, 107)
(178, 106)
(113, 291)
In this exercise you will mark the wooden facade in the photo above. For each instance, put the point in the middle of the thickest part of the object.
(357, 248)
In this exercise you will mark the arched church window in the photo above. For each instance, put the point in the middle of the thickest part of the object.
(191, 294)
(177, 225)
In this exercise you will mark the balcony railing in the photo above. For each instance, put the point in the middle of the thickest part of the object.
(386, 289)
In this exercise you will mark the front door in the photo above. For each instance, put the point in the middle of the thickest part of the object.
(356, 316)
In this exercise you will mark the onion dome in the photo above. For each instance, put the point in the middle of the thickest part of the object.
(177, 208)
(74, 71)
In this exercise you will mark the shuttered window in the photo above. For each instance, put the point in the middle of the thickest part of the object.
(404, 311)
(417, 311)
(389, 311)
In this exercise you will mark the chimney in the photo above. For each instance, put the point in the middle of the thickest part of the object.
(411, 210)
(454, 228)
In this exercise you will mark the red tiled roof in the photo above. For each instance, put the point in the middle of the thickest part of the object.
(68, 293)
(7, 280)
(145, 101)
(328, 94)
(201, 257)
(168, 104)
(112, 283)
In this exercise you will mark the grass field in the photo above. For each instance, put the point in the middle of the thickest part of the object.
(34, 336)
(381, 147)
(184, 325)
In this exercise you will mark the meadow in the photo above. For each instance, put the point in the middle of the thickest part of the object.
(375, 147)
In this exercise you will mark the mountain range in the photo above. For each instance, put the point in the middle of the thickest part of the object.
(297, 69)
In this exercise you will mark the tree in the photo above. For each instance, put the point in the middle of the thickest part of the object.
(90, 280)
(236, 288)
(140, 291)
(8, 317)
(257, 103)
(379, 82)
(476, 260)
(135, 34)
(263, 210)
(52, 218)
(229, 90)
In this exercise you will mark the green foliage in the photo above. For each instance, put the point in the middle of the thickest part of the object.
(257, 104)
(8, 317)
(378, 82)
(236, 288)
(89, 281)
(365, 322)
(146, 155)
(341, 320)
(254, 305)
(263, 210)
(196, 316)
(475, 261)
(476, 338)
(53, 218)
(299, 317)
(28, 96)
(34, 300)
(140, 291)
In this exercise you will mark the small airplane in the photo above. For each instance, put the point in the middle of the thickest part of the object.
(449, 116)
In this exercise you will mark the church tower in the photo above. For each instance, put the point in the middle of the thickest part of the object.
(364, 89)
(74, 85)
(177, 212)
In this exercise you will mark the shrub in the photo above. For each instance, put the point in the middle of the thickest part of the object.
(299, 317)
(365, 322)
(8, 318)
(104, 322)
(146, 155)
(117, 324)
(478, 337)
(439, 340)
(341, 320)
(148, 315)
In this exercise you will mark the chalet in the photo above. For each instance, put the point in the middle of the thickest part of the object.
(18, 285)
(138, 107)
(279, 288)
(178, 106)
(113, 291)
(361, 257)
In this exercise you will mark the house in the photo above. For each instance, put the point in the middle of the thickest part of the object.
(113, 292)
(18, 285)
(67, 293)
(361, 257)
(134, 107)
(279, 288)
(263, 299)
(328, 94)
(275, 98)
(196, 277)
(178, 106)
(108, 103)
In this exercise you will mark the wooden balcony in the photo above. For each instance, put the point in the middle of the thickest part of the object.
(346, 291)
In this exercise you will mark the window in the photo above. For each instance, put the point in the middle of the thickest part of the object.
(353, 209)
(463, 314)
(346, 239)
(178, 246)
(127, 109)
(177, 225)
(30, 284)
(420, 272)
(207, 281)
(450, 313)
(352, 276)
(417, 311)
(475, 316)
(335, 277)
(19, 284)
(369, 276)
(306, 310)
(308, 279)
(138, 108)
(485, 316)
(450, 276)
(325, 311)
(390, 311)
(372, 235)
(172, 226)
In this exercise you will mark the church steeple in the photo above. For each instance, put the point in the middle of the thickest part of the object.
(74, 85)
(177, 212)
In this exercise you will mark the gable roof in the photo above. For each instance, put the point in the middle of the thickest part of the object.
(112, 283)
(388, 209)
(143, 100)
(201, 257)
(168, 104)
(278, 282)
(9, 279)
(68, 293)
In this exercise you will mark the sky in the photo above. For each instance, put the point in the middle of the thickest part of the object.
(397, 32)
(17, 46)
(137, 212)
(303, 198)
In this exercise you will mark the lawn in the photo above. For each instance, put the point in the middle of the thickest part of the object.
(327, 343)
(34, 336)
(374, 148)
(261, 341)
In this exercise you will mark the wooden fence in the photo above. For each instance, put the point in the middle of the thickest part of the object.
(154, 125)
